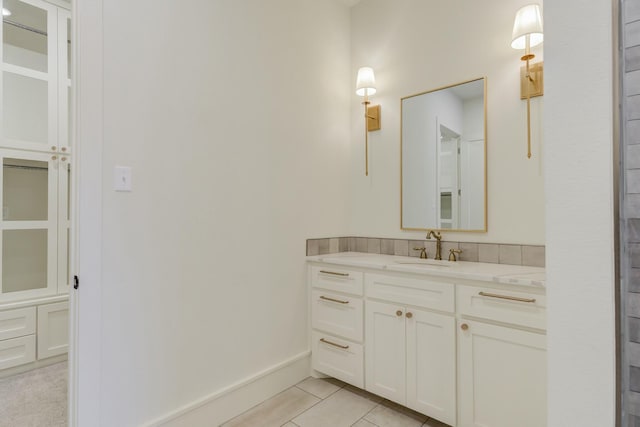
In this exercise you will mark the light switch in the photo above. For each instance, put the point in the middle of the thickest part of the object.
(122, 178)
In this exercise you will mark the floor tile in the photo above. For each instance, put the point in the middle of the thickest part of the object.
(342, 409)
(276, 411)
(289, 424)
(434, 423)
(320, 387)
(363, 393)
(364, 423)
(389, 414)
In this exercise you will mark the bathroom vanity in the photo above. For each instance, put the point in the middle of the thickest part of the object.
(461, 342)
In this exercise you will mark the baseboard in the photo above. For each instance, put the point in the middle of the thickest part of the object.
(9, 372)
(228, 402)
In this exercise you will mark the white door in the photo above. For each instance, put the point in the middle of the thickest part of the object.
(472, 185)
(503, 376)
(431, 364)
(385, 350)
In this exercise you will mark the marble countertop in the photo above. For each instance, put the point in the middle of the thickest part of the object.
(497, 273)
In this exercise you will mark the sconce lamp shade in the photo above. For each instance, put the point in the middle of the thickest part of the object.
(366, 82)
(528, 23)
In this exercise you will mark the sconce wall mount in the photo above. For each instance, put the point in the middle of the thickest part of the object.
(365, 86)
(527, 33)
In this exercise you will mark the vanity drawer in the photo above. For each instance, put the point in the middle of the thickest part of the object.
(418, 292)
(17, 323)
(519, 308)
(337, 314)
(338, 358)
(337, 279)
(17, 351)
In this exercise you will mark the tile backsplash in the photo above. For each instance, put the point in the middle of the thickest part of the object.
(475, 252)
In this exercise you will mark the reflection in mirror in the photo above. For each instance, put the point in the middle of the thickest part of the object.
(444, 159)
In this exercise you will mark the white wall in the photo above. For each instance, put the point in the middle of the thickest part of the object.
(418, 45)
(234, 116)
(579, 178)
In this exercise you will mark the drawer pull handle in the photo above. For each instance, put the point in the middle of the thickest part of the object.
(409, 315)
(334, 273)
(486, 294)
(344, 347)
(399, 313)
(333, 300)
(464, 327)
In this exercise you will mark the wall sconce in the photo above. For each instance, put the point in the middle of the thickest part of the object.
(365, 86)
(527, 33)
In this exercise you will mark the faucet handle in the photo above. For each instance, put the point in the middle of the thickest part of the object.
(423, 252)
(452, 254)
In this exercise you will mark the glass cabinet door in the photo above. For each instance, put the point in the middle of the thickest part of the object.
(29, 75)
(28, 190)
(64, 80)
(64, 224)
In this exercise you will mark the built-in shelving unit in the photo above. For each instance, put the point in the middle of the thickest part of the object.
(35, 153)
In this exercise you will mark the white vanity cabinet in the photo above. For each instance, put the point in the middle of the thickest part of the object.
(337, 322)
(502, 367)
(464, 345)
(410, 350)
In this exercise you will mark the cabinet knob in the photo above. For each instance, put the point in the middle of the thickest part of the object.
(464, 326)
(409, 315)
(54, 148)
(64, 159)
(64, 149)
(399, 313)
(54, 157)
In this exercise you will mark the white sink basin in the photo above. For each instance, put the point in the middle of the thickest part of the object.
(426, 263)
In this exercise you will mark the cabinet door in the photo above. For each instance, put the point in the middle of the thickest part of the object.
(28, 227)
(64, 224)
(53, 329)
(431, 367)
(502, 376)
(385, 373)
(29, 75)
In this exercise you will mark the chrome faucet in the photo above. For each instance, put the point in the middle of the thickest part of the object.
(438, 238)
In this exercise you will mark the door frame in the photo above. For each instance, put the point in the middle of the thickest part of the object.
(86, 228)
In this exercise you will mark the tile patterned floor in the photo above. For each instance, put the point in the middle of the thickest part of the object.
(329, 403)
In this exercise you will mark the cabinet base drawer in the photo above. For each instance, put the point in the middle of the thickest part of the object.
(337, 279)
(338, 358)
(17, 323)
(418, 292)
(518, 308)
(337, 314)
(17, 351)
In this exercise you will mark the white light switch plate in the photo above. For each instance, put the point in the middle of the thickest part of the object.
(122, 178)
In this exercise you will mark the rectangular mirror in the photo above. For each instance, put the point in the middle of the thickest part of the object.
(443, 147)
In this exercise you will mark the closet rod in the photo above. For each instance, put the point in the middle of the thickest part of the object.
(25, 167)
(26, 27)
